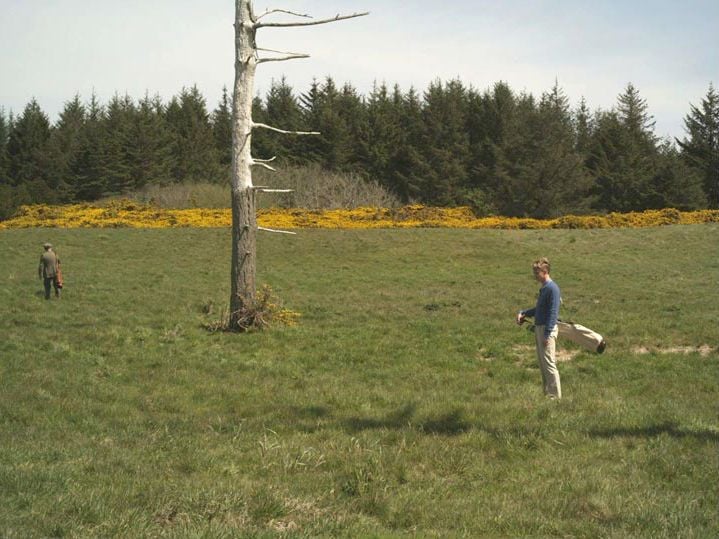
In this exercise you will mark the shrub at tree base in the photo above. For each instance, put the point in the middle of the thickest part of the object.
(129, 214)
(265, 311)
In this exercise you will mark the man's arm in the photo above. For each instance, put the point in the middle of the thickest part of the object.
(521, 315)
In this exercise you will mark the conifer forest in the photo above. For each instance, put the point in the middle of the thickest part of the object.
(500, 151)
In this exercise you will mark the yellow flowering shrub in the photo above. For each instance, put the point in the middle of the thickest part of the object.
(126, 213)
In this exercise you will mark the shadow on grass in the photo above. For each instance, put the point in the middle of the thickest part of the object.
(311, 412)
(454, 423)
(449, 424)
(310, 419)
(652, 431)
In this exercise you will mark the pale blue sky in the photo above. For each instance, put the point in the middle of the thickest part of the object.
(669, 50)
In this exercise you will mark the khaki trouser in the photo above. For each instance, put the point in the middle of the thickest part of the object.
(546, 355)
(583, 336)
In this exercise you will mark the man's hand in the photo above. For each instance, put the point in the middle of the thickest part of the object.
(520, 318)
(546, 342)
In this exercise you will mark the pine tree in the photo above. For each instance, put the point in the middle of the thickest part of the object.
(496, 136)
(264, 141)
(27, 151)
(333, 142)
(195, 153)
(90, 181)
(583, 128)
(332, 130)
(446, 142)
(382, 136)
(311, 149)
(352, 113)
(410, 168)
(624, 155)
(150, 152)
(328, 110)
(675, 183)
(701, 149)
(513, 185)
(633, 113)
(494, 120)
(64, 149)
(4, 157)
(553, 178)
(222, 133)
(282, 110)
(12, 196)
(475, 194)
(8, 202)
(606, 163)
(118, 135)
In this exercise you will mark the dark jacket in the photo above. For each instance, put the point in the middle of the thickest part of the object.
(48, 265)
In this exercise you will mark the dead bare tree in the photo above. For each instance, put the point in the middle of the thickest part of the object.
(244, 217)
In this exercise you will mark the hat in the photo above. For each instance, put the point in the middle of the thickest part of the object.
(48, 246)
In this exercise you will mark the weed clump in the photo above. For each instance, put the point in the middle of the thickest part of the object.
(264, 312)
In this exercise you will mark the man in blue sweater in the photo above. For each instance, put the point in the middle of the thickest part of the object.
(545, 316)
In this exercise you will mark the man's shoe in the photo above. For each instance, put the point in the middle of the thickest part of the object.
(602, 346)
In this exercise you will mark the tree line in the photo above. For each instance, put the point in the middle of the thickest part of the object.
(498, 150)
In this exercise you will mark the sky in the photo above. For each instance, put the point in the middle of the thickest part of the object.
(52, 50)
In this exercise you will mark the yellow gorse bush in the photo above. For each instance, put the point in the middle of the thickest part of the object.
(125, 213)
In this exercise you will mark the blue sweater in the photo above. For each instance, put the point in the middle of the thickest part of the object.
(547, 310)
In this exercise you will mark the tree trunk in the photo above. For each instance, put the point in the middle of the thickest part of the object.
(244, 232)
(244, 217)
(244, 220)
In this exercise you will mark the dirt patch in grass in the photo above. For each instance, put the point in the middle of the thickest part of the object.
(483, 355)
(704, 350)
(566, 355)
(562, 354)
(300, 512)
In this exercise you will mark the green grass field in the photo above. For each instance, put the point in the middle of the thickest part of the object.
(405, 403)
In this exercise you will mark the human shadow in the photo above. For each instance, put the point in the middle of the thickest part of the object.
(652, 431)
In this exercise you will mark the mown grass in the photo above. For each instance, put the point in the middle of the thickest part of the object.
(406, 403)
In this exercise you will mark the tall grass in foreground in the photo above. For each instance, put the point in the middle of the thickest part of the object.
(406, 403)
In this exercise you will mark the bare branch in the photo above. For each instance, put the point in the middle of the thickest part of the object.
(265, 126)
(287, 55)
(282, 58)
(271, 11)
(266, 190)
(263, 165)
(276, 231)
(265, 160)
(313, 23)
(278, 52)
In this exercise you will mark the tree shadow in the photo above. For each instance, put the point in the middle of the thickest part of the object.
(449, 424)
(311, 412)
(652, 431)
(310, 419)
(453, 423)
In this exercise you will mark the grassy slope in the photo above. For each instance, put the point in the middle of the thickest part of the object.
(406, 402)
